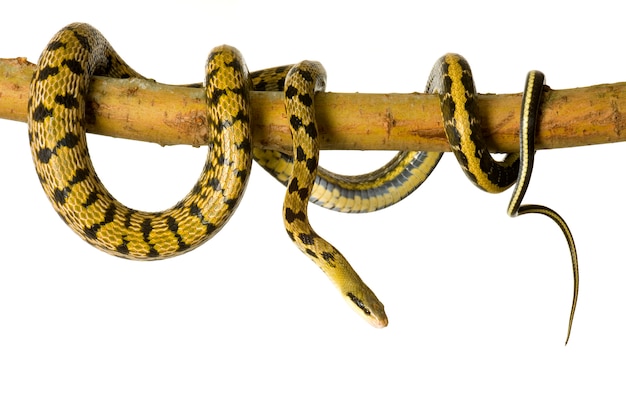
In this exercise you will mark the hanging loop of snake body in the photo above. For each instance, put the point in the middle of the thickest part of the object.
(56, 125)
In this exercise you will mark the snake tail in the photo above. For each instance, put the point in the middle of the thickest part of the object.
(531, 99)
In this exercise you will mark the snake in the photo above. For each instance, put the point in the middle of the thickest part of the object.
(57, 137)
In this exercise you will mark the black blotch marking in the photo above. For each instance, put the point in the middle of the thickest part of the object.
(242, 175)
(44, 155)
(54, 45)
(311, 164)
(67, 100)
(195, 211)
(300, 154)
(241, 116)
(210, 228)
(303, 193)
(328, 257)
(215, 184)
(46, 72)
(293, 185)
(306, 99)
(41, 112)
(292, 216)
(109, 216)
(91, 199)
(240, 91)
(84, 41)
(311, 130)
(291, 92)
(295, 122)
(311, 253)
(224, 124)
(69, 141)
(172, 225)
(79, 176)
(123, 248)
(261, 86)
(307, 239)
(235, 65)
(359, 303)
(146, 229)
(217, 94)
(60, 195)
(306, 75)
(128, 217)
(73, 65)
(232, 203)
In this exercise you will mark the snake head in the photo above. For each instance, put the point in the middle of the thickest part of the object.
(368, 306)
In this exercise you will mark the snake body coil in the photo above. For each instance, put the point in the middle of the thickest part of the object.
(56, 122)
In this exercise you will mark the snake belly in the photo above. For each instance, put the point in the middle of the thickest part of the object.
(56, 127)
(363, 193)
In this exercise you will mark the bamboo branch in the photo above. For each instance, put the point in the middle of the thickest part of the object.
(168, 115)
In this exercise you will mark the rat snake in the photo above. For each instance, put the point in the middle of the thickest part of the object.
(57, 136)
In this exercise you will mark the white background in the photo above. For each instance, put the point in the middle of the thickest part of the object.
(478, 303)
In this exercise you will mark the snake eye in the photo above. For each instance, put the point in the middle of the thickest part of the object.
(359, 303)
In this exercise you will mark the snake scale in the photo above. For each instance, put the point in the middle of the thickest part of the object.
(57, 136)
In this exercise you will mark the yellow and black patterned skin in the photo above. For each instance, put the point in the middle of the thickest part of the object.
(302, 82)
(462, 125)
(56, 123)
